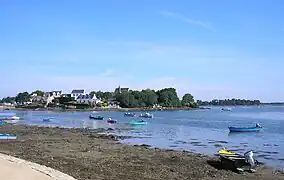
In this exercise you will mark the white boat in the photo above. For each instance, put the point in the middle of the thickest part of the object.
(15, 118)
(146, 115)
(8, 137)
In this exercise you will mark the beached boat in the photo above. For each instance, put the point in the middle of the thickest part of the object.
(139, 122)
(146, 115)
(127, 114)
(96, 117)
(246, 129)
(237, 162)
(111, 121)
(8, 137)
(2, 122)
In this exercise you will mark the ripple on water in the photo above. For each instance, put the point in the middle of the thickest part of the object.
(268, 152)
(218, 145)
(180, 142)
(237, 150)
(173, 146)
(197, 143)
(263, 155)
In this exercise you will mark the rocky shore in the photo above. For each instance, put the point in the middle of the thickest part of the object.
(87, 155)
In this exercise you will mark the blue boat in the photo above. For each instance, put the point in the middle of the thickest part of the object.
(127, 114)
(141, 122)
(47, 119)
(96, 117)
(246, 129)
(2, 122)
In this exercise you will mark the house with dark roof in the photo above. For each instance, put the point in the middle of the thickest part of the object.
(87, 98)
(119, 90)
(77, 92)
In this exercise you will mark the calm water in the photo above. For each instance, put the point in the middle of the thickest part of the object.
(203, 131)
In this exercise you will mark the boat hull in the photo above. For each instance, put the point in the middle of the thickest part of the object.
(138, 122)
(248, 129)
(97, 118)
(111, 121)
(8, 137)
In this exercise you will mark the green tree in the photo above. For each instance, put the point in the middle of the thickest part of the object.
(149, 97)
(23, 97)
(168, 97)
(38, 92)
(64, 99)
(187, 100)
(8, 100)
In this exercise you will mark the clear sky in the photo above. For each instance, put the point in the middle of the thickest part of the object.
(212, 49)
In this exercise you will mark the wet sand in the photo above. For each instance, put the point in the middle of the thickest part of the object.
(84, 154)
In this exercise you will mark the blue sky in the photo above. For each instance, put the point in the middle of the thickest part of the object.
(212, 49)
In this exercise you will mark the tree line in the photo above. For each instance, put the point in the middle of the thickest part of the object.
(228, 102)
(166, 97)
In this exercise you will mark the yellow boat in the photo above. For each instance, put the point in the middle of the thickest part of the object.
(226, 152)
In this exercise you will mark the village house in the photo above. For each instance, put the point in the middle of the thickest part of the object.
(90, 99)
(49, 96)
(77, 92)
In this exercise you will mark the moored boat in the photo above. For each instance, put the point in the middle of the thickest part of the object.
(111, 121)
(96, 117)
(246, 129)
(127, 114)
(15, 118)
(146, 115)
(47, 119)
(139, 122)
(226, 109)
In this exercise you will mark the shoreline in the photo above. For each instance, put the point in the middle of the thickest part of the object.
(103, 109)
(85, 154)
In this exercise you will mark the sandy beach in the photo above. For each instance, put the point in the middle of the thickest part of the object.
(86, 155)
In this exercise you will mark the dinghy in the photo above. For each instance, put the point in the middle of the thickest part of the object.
(111, 121)
(8, 137)
(96, 117)
(127, 114)
(146, 115)
(47, 119)
(246, 129)
(141, 122)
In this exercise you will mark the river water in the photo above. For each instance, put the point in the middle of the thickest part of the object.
(202, 131)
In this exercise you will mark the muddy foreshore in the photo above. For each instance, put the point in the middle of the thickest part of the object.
(85, 155)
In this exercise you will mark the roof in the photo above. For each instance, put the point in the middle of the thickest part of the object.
(78, 91)
(87, 96)
(56, 91)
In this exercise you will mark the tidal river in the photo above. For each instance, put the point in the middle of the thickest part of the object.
(202, 131)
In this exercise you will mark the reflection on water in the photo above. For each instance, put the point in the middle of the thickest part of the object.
(200, 131)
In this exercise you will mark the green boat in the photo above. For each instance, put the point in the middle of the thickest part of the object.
(140, 122)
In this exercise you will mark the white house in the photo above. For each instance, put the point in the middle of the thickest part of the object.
(77, 92)
(88, 99)
(49, 96)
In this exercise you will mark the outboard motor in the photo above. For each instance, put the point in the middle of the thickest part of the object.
(249, 158)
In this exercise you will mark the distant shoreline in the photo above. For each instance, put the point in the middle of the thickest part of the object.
(104, 109)
(132, 109)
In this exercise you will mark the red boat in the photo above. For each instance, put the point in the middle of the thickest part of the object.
(111, 121)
